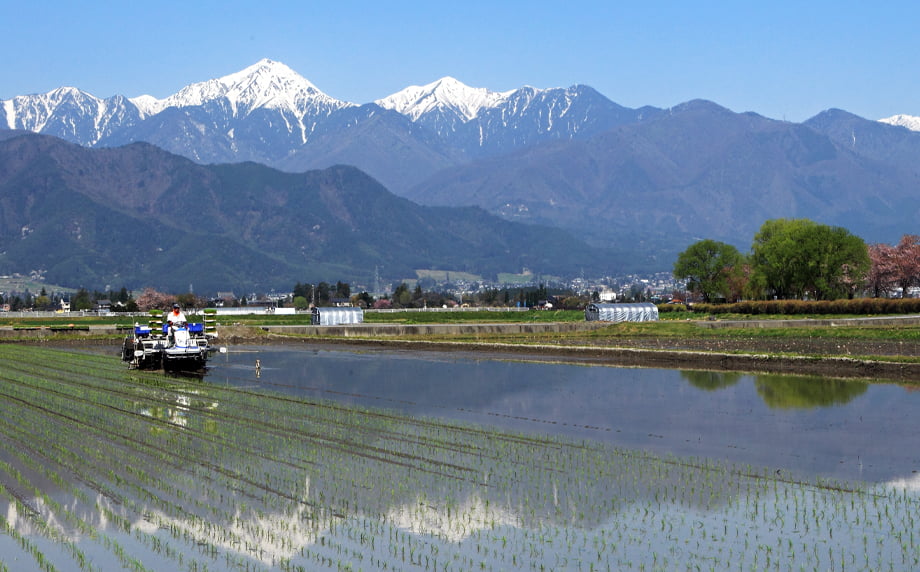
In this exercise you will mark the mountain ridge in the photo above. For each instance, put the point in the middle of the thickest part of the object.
(648, 180)
(270, 114)
(140, 216)
(700, 171)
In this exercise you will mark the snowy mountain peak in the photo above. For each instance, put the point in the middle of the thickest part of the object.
(32, 112)
(147, 104)
(912, 122)
(63, 93)
(266, 84)
(445, 93)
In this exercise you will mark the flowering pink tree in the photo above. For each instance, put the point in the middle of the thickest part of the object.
(895, 266)
(907, 262)
(383, 304)
(883, 272)
(152, 299)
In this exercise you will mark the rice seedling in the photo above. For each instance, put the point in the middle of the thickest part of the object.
(142, 471)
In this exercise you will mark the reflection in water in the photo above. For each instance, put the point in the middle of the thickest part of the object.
(275, 480)
(711, 380)
(787, 392)
(848, 429)
(268, 480)
(784, 391)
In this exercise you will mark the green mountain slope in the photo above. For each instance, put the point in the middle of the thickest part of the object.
(139, 216)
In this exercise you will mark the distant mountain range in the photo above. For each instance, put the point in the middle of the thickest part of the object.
(269, 114)
(646, 182)
(701, 171)
(139, 216)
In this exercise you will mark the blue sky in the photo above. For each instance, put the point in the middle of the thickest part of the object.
(786, 60)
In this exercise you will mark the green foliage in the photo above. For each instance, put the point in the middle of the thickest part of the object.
(799, 258)
(707, 265)
(401, 295)
(342, 290)
(81, 301)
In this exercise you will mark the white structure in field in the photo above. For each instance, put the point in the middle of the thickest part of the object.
(336, 316)
(643, 312)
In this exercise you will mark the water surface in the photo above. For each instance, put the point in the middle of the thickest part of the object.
(805, 425)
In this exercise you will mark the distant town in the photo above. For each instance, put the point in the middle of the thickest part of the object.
(19, 293)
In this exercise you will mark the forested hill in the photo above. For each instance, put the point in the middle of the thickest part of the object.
(139, 216)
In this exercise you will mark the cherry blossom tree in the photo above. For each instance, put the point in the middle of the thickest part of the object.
(907, 262)
(152, 299)
(883, 271)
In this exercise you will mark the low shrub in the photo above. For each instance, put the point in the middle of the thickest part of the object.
(856, 306)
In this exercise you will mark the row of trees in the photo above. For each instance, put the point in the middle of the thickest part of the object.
(798, 259)
(303, 296)
(404, 296)
(321, 294)
(83, 299)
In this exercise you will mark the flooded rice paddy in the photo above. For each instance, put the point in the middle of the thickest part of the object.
(384, 460)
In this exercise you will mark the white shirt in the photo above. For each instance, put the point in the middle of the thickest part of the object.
(174, 316)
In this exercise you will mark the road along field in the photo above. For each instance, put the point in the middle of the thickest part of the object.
(104, 468)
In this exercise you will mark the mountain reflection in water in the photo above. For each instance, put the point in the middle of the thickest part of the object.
(815, 426)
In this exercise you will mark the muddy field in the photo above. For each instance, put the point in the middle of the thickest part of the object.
(831, 358)
(798, 346)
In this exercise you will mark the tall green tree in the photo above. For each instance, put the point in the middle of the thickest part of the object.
(342, 290)
(323, 294)
(706, 266)
(81, 300)
(799, 258)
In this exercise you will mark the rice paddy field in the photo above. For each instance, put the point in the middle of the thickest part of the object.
(104, 468)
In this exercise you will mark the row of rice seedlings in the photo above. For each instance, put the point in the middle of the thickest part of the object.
(697, 495)
(683, 493)
(66, 434)
(538, 502)
(691, 531)
(63, 523)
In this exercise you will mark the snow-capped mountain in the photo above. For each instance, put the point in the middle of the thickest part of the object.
(264, 85)
(483, 122)
(568, 157)
(444, 96)
(270, 114)
(69, 113)
(912, 122)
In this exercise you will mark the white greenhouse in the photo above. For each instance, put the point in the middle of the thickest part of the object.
(643, 312)
(336, 316)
